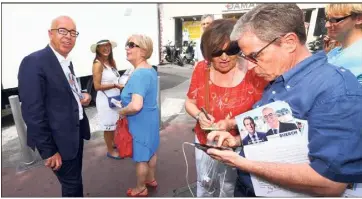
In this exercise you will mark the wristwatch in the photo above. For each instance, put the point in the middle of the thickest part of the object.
(197, 116)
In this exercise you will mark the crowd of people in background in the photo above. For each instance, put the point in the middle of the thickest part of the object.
(242, 64)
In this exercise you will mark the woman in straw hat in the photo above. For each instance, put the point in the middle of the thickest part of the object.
(139, 98)
(105, 79)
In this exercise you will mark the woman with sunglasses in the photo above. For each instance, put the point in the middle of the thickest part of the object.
(232, 90)
(344, 24)
(105, 81)
(139, 99)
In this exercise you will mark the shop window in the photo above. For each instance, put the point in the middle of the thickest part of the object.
(193, 29)
(320, 28)
(307, 15)
(178, 32)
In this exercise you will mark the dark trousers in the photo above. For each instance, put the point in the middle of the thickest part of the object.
(70, 174)
(242, 191)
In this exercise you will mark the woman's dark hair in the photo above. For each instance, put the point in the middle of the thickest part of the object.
(215, 36)
(111, 61)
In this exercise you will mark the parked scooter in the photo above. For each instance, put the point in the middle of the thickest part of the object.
(172, 54)
(316, 45)
(188, 53)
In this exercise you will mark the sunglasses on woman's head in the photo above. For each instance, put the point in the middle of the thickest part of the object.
(131, 45)
(233, 49)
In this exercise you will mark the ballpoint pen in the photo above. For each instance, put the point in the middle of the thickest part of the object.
(204, 111)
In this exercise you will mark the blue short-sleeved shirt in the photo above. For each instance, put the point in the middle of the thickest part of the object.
(330, 99)
(350, 58)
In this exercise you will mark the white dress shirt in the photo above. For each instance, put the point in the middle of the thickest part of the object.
(65, 63)
(256, 140)
(198, 50)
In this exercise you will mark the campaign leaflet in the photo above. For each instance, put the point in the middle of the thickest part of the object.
(270, 134)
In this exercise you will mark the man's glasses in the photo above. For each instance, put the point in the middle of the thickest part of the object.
(252, 56)
(131, 45)
(337, 20)
(233, 49)
(268, 116)
(64, 31)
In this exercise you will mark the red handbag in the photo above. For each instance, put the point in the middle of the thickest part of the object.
(123, 139)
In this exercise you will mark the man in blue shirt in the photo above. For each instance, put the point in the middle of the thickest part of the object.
(272, 38)
(344, 24)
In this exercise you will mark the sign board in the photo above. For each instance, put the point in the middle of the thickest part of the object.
(244, 7)
(194, 29)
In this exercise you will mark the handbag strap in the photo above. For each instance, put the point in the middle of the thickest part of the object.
(114, 71)
(207, 88)
(105, 94)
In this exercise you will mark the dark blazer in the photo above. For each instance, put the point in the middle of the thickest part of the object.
(261, 136)
(283, 127)
(49, 108)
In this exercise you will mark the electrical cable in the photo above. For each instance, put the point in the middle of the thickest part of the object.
(223, 181)
(187, 170)
(187, 166)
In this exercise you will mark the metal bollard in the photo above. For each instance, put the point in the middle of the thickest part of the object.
(159, 98)
(26, 152)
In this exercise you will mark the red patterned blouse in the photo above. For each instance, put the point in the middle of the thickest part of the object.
(223, 100)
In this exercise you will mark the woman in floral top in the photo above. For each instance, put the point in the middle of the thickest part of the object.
(232, 91)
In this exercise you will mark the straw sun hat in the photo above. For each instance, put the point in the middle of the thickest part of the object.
(104, 41)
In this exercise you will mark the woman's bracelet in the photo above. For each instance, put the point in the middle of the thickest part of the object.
(198, 116)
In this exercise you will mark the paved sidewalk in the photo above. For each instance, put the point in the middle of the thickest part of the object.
(105, 177)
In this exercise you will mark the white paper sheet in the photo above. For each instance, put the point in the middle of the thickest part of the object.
(292, 149)
(353, 191)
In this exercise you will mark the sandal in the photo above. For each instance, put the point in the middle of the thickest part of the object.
(114, 157)
(143, 193)
(152, 184)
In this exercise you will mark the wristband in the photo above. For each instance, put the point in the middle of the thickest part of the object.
(197, 116)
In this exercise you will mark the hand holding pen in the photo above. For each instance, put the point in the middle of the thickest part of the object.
(205, 113)
(206, 120)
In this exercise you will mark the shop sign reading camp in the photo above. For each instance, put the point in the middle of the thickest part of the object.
(239, 7)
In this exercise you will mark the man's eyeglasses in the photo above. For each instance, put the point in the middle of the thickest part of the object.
(233, 49)
(64, 31)
(131, 45)
(337, 20)
(268, 116)
(252, 56)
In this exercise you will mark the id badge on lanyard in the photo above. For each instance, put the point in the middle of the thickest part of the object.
(115, 72)
(72, 83)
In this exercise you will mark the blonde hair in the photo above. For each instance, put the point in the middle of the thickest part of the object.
(343, 9)
(144, 42)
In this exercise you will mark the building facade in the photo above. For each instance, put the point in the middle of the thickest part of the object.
(176, 19)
